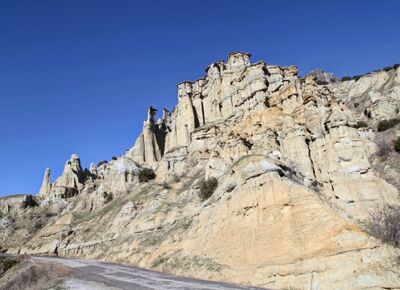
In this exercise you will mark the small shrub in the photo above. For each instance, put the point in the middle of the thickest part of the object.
(101, 163)
(384, 147)
(29, 201)
(346, 79)
(397, 145)
(361, 124)
(108, 197)
(388, 68)
(396, 66)
(114, 158)
(387, 124)
(8, 264)
(146, 174)
(321, 82)
(38, 224)
(207, 188)
(49, 214)
(385, 224)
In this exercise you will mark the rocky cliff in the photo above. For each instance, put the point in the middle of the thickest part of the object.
(297, 171)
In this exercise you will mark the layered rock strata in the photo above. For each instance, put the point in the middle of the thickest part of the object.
(296, 183)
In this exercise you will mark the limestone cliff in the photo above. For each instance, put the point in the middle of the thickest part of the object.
(297, 178)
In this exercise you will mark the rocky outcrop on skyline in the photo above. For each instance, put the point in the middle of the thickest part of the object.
(297, 178)
(46, 184)
(70, 182)
(374, 96)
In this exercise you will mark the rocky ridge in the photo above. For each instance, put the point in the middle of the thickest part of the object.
(297, 179)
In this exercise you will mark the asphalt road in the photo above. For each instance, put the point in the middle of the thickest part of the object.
(89, 274)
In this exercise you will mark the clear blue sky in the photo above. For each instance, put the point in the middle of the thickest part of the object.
(77, 76)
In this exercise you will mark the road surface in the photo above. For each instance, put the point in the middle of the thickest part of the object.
(87, 274)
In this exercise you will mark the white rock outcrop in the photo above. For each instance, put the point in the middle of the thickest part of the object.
(46, 184)
(296, 179)
(71, 180)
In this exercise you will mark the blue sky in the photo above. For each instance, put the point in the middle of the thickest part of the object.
(77, 76)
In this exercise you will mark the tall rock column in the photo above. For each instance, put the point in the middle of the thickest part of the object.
(46, 184)
(185, 119)
(146, 149)
(212, 92)
(71, 180)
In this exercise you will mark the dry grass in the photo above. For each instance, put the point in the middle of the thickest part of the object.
(31, 275)
(385, 224)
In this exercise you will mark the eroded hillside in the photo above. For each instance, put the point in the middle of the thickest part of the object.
(297, 168)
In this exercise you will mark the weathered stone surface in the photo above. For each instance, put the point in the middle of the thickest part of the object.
(375, 96)
(46, 184)
(71, 180)
(150, 144)
(296, 183)
(118, 174)
(324, 77)
(93, 168)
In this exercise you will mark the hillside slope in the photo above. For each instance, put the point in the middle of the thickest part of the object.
(296, 174)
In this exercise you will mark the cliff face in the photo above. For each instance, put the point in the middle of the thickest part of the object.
(297, 179)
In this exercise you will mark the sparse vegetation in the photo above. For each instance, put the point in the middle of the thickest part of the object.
(26, 274)
(156, 237)
(29, 201)
(387, 124)
(165, 185)
(397, 145)
(107, 197)
(102, 162)
(384, 147)
(321, 82)
(207, 187)
(193, 262)
(146, 174)
(385, 224)
(37, 219)
(158, 261)
(357, 77)
(360, 124)
(8, 263)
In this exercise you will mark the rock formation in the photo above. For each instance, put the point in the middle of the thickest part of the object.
(118, 174)
(323, 77)
(71, 180)
(93, 168)
(297, 180)
(46, 184)
(149, 145)
(374, 96)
